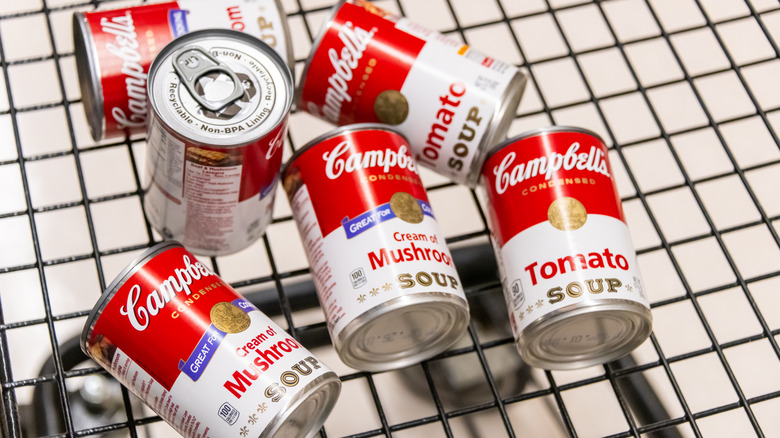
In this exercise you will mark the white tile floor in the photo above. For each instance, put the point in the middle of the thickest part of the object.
(690, 94)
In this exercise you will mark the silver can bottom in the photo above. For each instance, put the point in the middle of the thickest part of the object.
(585, 334)
(403, 331)
(306, 414)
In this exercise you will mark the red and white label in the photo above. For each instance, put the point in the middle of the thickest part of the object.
(156, 335)
(127, 40)
(452, 92)
(213, 200)
(557, 225)
(362, 248)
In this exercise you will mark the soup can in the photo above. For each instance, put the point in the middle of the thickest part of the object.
(219, 106)
(568, 268)
(452, 102)
(114, 49)
(202, 357)
(383, 273)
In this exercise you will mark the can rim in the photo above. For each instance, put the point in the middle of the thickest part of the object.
(499, 124)
(335, 132)
(88, 72)
(134, 266)
(328, 384)
(446, 304)
(628, 310)
(235, 36)
(536, 132)
(334, 10)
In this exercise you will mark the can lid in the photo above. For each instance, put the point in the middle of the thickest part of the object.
(220, 87)
(537, 132)
(403, 331)
(89, 75)
(499, 125)
(120, 279)
(191, 63)
(306, 413)
(335, 133)
(585, 334)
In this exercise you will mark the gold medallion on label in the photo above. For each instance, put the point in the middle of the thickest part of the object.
(391, 107)
(406, 207)
(229, 318)
(567, 214)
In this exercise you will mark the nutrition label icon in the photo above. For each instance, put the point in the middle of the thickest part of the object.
(358, 278)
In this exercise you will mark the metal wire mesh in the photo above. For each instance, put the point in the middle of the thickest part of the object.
(687, 96)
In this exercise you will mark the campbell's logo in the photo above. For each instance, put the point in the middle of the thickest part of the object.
(125, 47)
(335, 164)
(140, 314)
(507, 174)
(355, 41)
(275, 144)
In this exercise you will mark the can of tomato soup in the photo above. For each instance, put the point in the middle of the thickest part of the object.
(384, 276)
(202, 357)
(567, 264)
(219, 106)
(452, 103)
(114, 49)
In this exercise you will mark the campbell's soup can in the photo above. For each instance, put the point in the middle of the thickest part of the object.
(452, 102)
(114, 49)
(202, 357)
(383, 273)
(219, 106)
(568, 267)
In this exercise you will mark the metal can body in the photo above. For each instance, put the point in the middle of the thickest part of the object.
(451, 102)
(567, 264)
(201, 356)
(115, 48)
(211, 174)
(384, 275)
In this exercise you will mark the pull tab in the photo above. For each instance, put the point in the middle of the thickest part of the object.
(191, 63)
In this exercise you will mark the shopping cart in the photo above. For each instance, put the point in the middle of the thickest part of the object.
(685, 92)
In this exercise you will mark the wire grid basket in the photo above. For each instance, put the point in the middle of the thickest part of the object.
(685, 92)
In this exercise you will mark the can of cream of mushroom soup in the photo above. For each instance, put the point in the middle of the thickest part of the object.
(114, 49)
(451, 102)
(567, 264)
(384, 275)
(219, 105)
(201, 356)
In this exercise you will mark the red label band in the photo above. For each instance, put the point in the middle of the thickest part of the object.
(523, 178)
(159, 314)
(361, 54)
(126, 41)
(352, 173)
(262, 161)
